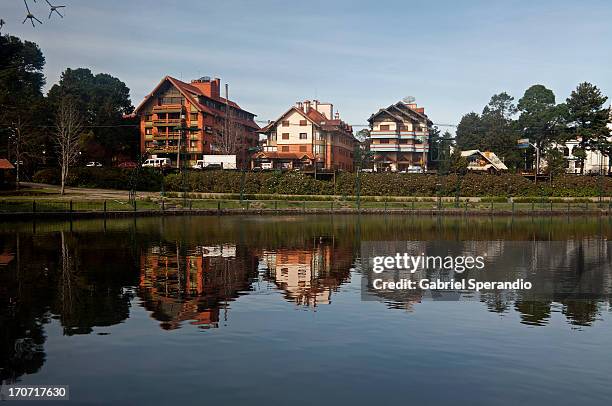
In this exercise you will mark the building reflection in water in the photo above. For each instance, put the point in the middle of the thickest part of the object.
(195, 285)
(308, 276)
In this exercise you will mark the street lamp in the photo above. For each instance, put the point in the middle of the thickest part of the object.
(524, 143)
(364, 157)
(250, 150)
(136, 172)
(183, 130)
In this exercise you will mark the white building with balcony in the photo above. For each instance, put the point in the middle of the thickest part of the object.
(399, 137)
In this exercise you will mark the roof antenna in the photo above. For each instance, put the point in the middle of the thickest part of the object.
(54, 9)
(30, 16)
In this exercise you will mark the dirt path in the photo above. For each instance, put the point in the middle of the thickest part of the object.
(52, 192)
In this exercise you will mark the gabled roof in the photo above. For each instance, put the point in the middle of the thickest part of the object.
(488, 156)
(384, 111)
(399, 109)
(310, 117)
(192, 93)
(5, 164)
(282, 155)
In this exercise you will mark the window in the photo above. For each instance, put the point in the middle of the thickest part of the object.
(147, 117)
(303, 136)
(384, 127)
(285, 123)
(285, 148)
(285, 136)
(384, 141)
(303, 123)
(148, 131)
(303, 148)
(193, 116)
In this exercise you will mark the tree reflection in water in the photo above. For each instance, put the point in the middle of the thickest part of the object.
(189, 271)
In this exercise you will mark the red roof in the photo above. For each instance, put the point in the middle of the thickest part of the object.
(190, 91)
(283, 155)
(5, 164)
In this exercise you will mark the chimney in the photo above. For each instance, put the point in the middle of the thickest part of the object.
(306, 106)
(299, 105)
(208, 87)
(337, 115)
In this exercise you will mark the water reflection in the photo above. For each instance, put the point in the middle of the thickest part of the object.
(179, 284)
(190, 272)
(309, 275)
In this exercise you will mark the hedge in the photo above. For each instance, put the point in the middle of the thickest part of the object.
(372, 184)
(104, 178)
(389, 184)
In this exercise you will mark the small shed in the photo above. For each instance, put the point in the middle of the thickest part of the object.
(7, 174)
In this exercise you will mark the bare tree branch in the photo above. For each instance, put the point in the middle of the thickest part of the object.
(68, 129)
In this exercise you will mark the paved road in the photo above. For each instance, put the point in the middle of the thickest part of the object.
(84, 193)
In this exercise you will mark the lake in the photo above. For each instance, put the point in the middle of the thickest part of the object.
(269, 310)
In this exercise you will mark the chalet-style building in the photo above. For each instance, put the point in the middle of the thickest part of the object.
(483, 161)
(399, 137)
(306, 134)
(223, 127)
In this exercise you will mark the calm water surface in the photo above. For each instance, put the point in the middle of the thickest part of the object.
(268, 310)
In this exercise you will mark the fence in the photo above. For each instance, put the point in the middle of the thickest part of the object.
(228, 205)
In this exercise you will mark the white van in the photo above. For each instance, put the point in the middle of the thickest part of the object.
(156, 163)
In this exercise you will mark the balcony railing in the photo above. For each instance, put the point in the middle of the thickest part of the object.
(167, 122)
(168, 108)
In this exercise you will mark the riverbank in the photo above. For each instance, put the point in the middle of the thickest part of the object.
(74, 211)
(44, 201)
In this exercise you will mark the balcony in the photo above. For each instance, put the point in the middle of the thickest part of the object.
(171, 136)
(171, 122)
(164, 150)
(168, 108)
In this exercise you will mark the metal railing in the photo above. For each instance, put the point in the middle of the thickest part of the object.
(432, 205)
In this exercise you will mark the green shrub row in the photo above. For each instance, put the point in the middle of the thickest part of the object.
(492, 187)
(104, 178)
(390, 184)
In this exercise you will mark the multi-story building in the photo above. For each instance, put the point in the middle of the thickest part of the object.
(223, 127)
(307, 134)
(399, 137)
(594, 161)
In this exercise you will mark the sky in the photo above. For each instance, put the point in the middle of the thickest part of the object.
(359, 55)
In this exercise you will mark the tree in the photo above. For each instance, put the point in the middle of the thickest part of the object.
(68, 129)
(21, 99)
(587, 119)
(363, 135)
(500, 133)
(555, 161)
(470, 132)
(102, 101)
(540, 118)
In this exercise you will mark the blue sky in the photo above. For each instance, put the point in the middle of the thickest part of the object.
(360, 55)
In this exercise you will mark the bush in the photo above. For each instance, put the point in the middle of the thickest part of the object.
(105, 178)
(492, 187)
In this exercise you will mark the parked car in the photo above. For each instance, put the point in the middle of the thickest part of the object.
(414, 169)
(157, 163)
(201, 165)
(128, 165)
(93, 164)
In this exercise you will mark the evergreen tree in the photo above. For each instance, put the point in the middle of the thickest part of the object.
(587, 119)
